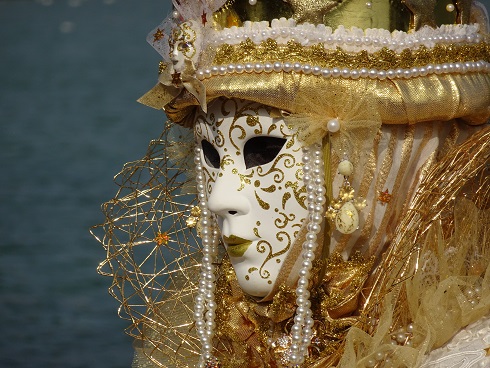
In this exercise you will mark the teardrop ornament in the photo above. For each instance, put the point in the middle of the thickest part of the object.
(347, 219)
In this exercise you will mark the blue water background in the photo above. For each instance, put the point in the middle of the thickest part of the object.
(70, 74)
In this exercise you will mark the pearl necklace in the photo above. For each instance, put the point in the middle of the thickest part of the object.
(205, 305)
(301, 332)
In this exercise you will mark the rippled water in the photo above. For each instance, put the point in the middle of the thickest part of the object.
(70, 72)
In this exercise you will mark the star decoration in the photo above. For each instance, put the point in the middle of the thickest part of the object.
(162, 238)
(312, 11)
(176, 81)
(203, 18)
(384, 197)
(158, 35)
(193, 219)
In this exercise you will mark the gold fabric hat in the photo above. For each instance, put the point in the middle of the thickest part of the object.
(429, 72)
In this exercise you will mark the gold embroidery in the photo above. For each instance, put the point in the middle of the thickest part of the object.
(385, 58)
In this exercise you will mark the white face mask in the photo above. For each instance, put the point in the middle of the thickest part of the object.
(253, 172)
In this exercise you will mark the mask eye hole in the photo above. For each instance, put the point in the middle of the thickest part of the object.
(262, 150)
(211, 155)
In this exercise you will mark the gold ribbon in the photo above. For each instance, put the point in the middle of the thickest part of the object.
(171, 83)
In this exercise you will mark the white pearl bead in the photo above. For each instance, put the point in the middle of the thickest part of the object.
(354, 74)
(333, 125)
(287, 67)
(450, 7)
(306, 69)
(400, 337)
(258, 67)
(175, 14)
(277, 66)
(326, 72)
(345, 73)
(336, 72)
(316, 70)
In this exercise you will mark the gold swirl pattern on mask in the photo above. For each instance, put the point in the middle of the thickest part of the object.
(244, 179)
(249, 110)
(219, 140)
(263, 246)
(270, 189)
(209, 178)
(299, 192)
(210, 123)
(288, 161)
(299, 174)
(272, 127)
(283, 221)
(269, 50)
(266, 206)
(227, 160)
(291, 141)
(285, 198)
(254, 121)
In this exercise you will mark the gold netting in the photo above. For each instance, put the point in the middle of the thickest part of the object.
(152, 255)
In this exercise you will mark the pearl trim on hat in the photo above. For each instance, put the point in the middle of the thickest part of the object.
(400, 73)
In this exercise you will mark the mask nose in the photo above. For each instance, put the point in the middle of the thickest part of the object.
(175, 54)
(225, 199)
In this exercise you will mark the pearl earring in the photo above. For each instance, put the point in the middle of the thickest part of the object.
(344, 210)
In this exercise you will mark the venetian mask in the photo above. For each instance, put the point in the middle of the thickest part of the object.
(253, 170)
(185, 44)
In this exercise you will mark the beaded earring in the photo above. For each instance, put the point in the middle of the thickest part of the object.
(344, 210)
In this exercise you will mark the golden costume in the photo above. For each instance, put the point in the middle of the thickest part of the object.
(395, 96)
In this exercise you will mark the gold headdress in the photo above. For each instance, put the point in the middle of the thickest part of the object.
(365, 75)
(388, 68)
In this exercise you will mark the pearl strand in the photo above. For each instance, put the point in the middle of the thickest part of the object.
(346, 73)
(205, 305)
(301, 332)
